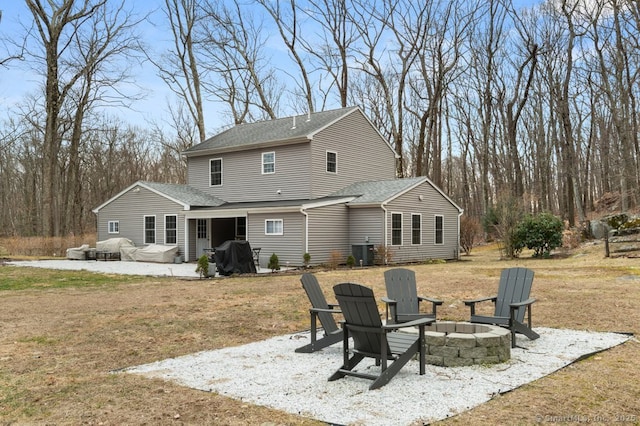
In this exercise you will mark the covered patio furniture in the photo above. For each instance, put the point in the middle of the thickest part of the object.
(372, 339)
(320, 310)
(402, 301)
(78, 253)
(511, 303)
(234, 257)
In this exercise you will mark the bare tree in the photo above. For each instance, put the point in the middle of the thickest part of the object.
(180, 66)
(79, 41)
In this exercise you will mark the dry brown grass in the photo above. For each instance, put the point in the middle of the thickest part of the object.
(58, 345)
(17, 247)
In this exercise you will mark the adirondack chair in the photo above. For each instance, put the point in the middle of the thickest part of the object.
(510, 304)
(402, 301)
(320, 310)
(372, 339)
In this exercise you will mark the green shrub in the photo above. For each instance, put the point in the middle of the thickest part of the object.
(351, 261)
(274, 263)
(203, 266)
(541, 233)
(306, 258)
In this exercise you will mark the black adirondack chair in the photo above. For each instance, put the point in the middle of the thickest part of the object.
(511, 303)
(320, 310)
(372, 339)
(402, 301)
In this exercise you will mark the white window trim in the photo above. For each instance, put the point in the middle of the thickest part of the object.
(435, 230)
(221, 172)
(401, 229)
(165, 229)
(412, 216)
(274, 233)
(116, 224)
(144, 228)
(264, 163)
(326, 161)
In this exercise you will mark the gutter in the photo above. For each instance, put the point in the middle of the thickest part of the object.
(306, 229)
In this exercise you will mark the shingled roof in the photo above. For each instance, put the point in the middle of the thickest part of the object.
(270, 132)
(378, 191)
(184, 194)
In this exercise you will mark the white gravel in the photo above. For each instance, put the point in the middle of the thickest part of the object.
(270, 373)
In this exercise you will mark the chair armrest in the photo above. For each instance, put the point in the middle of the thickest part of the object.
(331, 311)
(333, 305)
(437, 302)
(390, 305)
(414, 323)
(389, 301)
(527, 302)
(483, 299)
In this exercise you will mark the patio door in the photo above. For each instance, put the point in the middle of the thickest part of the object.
(202, 236)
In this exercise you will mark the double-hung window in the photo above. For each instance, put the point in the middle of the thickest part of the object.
(273, 227)
(149, 229)
(268, 163)
(215, 170)
(439, 229)
(416, 229)
(171, 229)
(113, 227)
(332, 162)
(396, 229)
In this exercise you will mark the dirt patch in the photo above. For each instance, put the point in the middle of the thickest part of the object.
(58, 345)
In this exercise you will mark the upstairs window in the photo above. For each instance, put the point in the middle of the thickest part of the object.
(171, 229)
(149, 229)
(332, 162)
(215, 168)
(396, 229)
(113, 227)
(439, 229)
(416, 229)
(268, 163)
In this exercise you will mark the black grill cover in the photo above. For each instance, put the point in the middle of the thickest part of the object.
(234, 257)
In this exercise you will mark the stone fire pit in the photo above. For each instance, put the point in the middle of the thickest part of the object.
(455, 344)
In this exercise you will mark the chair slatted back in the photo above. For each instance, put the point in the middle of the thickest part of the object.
(359, 308)
(401, 287)
(318, 301)
(515, 286)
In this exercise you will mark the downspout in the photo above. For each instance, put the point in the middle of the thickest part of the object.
(186, 239)
(306, 229)
(457, 253)
(386, 213)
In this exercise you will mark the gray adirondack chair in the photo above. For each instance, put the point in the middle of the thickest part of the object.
(402, 301)
(511, 304)
(372, 339)
(323, 311)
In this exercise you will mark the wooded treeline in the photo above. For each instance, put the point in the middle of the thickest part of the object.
(486, 99)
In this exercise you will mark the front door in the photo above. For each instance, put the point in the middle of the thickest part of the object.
(202, 236)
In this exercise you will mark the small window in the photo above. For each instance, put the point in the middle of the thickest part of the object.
(149, 229)
(171, 229)
(215, 168)
(241, 227)
(332, 162)
(268, 162)
(113, 227)
(396, 229)
(201, 229)
(416, 229)
(273, 227)
(439, 230)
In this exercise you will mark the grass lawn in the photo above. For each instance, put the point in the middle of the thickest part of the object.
(63, 332)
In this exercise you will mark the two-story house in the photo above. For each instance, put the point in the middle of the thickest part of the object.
(317, 183)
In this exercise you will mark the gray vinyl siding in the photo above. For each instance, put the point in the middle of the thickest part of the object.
(362, 155)
(366, 226)
(242, 178)
(289, 247)
(432, 204)
(328, 231)
(130, 209)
